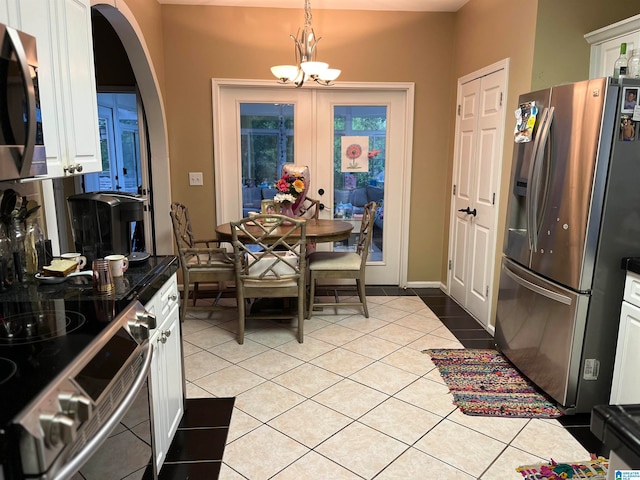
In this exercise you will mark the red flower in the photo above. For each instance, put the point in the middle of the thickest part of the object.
(283, 185)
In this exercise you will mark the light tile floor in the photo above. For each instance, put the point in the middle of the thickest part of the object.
(356, 400)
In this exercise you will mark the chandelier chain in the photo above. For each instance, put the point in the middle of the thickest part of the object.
(307, 13)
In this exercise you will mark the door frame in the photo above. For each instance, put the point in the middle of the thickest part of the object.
(489, 69)
(407, 87)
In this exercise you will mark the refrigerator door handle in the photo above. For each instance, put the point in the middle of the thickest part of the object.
(535, 181)
(536, 288)
(529, 199)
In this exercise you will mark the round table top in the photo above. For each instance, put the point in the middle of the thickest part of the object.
(318, 231)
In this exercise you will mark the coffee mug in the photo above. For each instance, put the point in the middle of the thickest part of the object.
(80, 259)
(118, 264)
(102, 279)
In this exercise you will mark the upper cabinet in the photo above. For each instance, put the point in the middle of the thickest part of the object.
(66, 79)
(605, 45)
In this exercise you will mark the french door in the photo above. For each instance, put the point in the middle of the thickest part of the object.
(259, 127)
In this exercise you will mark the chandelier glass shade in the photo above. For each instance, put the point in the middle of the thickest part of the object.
(306, 65)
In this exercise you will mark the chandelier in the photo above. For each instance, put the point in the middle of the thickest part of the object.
(306, 66)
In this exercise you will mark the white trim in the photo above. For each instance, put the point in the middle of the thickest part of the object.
(622, 27)
(408, 87)
(438, 285)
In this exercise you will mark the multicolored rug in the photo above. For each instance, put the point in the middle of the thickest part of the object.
(594, 469)
(484, 382)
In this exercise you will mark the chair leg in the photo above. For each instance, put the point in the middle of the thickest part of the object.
(363, 296)
(185, 295)
(312, 292)
(195, 293)
(301, 315)
(241, 311)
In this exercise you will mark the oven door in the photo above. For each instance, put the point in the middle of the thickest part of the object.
(127, 451)
(122, 445)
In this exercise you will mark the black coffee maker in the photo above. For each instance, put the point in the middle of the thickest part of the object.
(103, 223)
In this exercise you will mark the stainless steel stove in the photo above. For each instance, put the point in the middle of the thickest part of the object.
(68, 373)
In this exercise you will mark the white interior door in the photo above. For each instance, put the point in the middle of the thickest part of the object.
(307, 134)
(476, 181)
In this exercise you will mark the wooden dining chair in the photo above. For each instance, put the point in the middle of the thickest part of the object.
(270, 262)
(310, 209)
(344, 265)
(201, 261)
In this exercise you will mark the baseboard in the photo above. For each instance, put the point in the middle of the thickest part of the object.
(425, 285)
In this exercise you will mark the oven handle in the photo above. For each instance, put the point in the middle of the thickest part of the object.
(92, 445)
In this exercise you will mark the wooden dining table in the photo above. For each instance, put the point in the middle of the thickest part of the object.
(318, 231)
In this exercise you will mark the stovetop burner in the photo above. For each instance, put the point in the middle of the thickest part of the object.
(26, 328)
(8, 369)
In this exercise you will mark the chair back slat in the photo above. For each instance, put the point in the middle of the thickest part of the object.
(366, 231)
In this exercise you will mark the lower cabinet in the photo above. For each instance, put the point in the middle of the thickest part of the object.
(166, 377)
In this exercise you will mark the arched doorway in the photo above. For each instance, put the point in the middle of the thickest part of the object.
(126, 27)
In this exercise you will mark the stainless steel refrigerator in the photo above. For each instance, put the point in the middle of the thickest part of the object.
(574, 213)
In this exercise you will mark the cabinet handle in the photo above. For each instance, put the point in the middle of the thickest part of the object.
(167, 333)
(162, 338)
(173, 297)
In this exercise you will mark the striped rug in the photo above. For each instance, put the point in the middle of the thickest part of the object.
(483, 382)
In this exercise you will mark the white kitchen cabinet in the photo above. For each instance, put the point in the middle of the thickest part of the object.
(605, 45)
(625, 388)
(67, 83)
(167, 393)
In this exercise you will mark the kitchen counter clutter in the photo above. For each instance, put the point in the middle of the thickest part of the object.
(141, 281)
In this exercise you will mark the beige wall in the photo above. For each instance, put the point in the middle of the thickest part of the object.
(206, 42)
(561, 52)
(148, 14)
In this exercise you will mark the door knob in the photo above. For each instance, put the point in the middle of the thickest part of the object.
(468, 211)
(321, 191)
(321, 206)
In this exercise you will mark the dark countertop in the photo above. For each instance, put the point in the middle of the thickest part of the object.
(618, 427)
(141, 281)
(631, 264)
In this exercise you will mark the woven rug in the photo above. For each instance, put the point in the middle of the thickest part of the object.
(484, 382)
(594, 469)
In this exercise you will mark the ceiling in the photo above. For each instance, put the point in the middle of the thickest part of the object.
(395, 5)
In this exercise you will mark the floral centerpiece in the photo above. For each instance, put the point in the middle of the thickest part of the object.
(290, 187)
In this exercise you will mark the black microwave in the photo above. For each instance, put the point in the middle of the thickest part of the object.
(22, 153)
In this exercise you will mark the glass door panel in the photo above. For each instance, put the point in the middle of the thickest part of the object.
(266, 144)
(359, 154)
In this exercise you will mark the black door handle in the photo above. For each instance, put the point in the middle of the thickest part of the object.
(321, 206)
(468, 211)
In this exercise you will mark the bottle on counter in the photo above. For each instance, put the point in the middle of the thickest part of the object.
(6, 260)
(17, 236)
(34, 246)
(621, 64)
(633, 67)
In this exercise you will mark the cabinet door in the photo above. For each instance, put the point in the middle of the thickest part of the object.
(159, 413)
(67, 83)
(625, 388)
(78, 82)
(604, 55)
(172, 356)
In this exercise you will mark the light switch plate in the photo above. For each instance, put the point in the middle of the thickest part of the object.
(195, 178)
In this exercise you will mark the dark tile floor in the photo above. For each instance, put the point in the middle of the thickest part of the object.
(197, 449)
